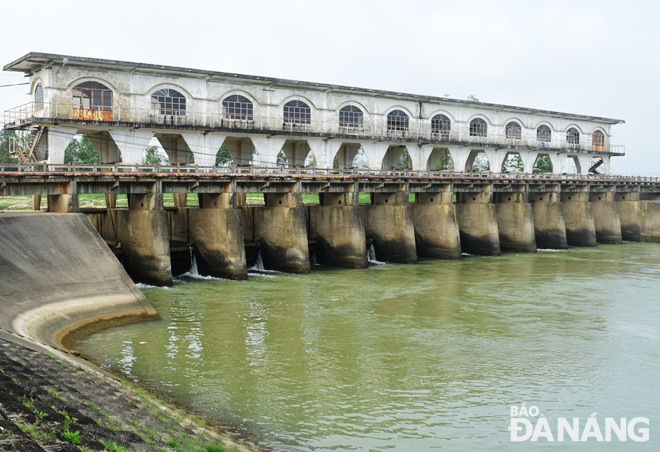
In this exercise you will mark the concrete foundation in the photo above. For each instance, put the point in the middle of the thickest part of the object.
(62, 203)
(606, 217)
(388, 223)
(651, 221)
(144, 236)
(436, 227)
(630, 215)
(477, 222)
(216, 236)
(579, 219)
(337, 227)
(549, 225)
(281, 230)
(515, 222)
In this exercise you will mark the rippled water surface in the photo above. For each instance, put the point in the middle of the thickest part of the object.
(415, 357)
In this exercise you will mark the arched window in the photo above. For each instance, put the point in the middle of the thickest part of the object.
(297, 112)
(513, 131)
(440, 126)
(92, 101)
(543, 134)
(237, 107)
(38, 97)
(351, 117)
(397, 121)
(598, 141)
(572, 136)
(168, 102)
(478, 128)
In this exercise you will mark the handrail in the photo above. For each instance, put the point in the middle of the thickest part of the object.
(160, 171)
(372, 128)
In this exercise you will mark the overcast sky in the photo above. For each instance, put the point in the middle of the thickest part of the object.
(591, 57)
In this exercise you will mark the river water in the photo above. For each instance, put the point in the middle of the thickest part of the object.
(408, 356)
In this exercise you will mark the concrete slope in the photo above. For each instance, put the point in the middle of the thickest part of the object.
(57, 276)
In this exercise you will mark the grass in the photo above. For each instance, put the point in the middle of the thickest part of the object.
(72, 437)
(54, 394)
(112, 446)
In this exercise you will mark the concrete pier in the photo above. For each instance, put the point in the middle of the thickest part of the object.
(651, 221)
(216, 236)
(630, 215)
(579, 219)
(436, 226)
(144, 236)
(62, 203)
(606, 217)
(388, 222)
(477, 222)
(515, 222)
(336, 225)
(549, 225)
(281, 230)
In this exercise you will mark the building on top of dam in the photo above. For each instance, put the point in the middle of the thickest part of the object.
(123, 106)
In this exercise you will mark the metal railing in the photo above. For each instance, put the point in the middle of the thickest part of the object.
(372, 128)
(179, 170)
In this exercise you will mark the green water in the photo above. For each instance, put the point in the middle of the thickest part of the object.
(414, 357)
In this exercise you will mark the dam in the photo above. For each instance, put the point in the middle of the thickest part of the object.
(411, 176)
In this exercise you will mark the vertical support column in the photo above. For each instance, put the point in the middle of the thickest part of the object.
(549, 225)
(650, 208)
(144, 236)
(515, 221)
(216, 235)
(281, 230)
(459, 156)
(388, 223)
(36, 202)
(65, 202)
(606, 217)
(375, 153)
(336, 225)
(267, 149)
(132, 144)
(477, 222)
(324, 151)
(204, 147)
(579, 219)
(630, 215)
(58, 139)
(436, 226)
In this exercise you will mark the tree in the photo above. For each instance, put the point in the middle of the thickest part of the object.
(473, 98)
(543, 164)
(81, 151)
(444, 162)
(403, 162)
(282, 160)
(153, 157)
(223, 157)
(481, 162)
(513, 164)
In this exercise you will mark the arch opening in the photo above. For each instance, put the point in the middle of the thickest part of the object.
(572, 165)
(513, 163)
(38, 97)
(543, 164)
(513, 131)
(351, 119)
(397, 158)
(237, 108)
(478, 128)
(296, 114)
(92, 101)
(440, 160)
(350, 156)
(440, 127)
(398, 123)
(573, 137)
(477, 161)
(543, 134)
(168, 103)
(296, 153)
(598, 141)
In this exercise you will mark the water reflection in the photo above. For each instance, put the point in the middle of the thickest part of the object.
(430, 355)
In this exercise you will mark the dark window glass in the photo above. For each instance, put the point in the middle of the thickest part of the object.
(351, 117)
(297, 112)
(478, 128)
(543, 134)
(238, 108)
(397, 121)
(168, 102)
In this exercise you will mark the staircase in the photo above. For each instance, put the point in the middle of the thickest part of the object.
(596, 163)
(23, 147)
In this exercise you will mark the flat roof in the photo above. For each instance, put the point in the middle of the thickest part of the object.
(33, 60)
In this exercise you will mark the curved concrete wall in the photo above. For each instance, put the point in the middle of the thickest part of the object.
(57, 276)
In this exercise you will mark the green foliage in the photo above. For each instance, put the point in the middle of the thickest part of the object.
(282, 159)
(481, 162)
(72, 437)
(444, 161)
(153, 157)
(112, 446)
(214, 449)
(543, 164)
(403, 162)
(223, 157)
(81, 151)
(513, 163)
(5, 135)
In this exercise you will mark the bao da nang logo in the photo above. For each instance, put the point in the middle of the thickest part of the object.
(529, 424)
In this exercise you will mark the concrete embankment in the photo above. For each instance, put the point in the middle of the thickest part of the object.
(57, 275)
